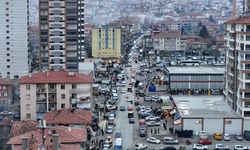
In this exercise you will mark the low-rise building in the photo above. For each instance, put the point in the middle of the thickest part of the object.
(69, 117)
(189, 80)
(64, 138)
(6, 89)
(52, 90)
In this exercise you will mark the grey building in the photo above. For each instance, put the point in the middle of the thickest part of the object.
(61, 34)
(191, 80)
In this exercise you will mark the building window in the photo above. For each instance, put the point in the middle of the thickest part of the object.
(27, 86)
(7, 48)
(62, 86)
(27, 106)
(8, 66)
(4, 87)
(28, 116)
(74, 86)
(63, 96)
(8, 54)
(5, 94)
(62, 105)
(27, 96)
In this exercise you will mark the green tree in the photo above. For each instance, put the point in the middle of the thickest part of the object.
(203, 32)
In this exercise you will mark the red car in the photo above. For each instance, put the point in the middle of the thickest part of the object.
(204, 142)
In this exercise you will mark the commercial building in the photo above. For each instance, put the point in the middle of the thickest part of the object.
(206, 113)
(14, 38)
(237, 78)
(167, 41)
(53, 90)
(189, 80)
(6, 89)
(106, 43)
(61, 34)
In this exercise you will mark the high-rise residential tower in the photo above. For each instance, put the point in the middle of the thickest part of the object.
(13, 38)
(61, 34)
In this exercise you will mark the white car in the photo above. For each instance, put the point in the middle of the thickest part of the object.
(240, 147)
(123, 91)
(130, 100)
(199, 147)
(203, 135)
(226, 137)
(221, 147)
(153, 123)
(139, 146)
(153, 140)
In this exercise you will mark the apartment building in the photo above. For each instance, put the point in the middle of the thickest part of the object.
(14, 38)
(106, 43)
(6, 89)
(237, 78)
(167, 41)
(61, 34)
(53, 90)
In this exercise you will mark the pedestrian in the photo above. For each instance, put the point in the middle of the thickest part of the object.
(158, 130)
(151, 131)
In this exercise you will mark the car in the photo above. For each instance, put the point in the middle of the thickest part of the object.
(203, 135)
(226, 137)
(147, 98)
(155, 99)
(109, 130)
(218, 136)
(131, 120)
(122, 108)
(111, 116)
(152, 118)
(240, 147)
(140, 146)
(153, 123)
(153, 140)
(247, 135)
(118, 134)
(238, 137)
(123, 91)
(221, 147)
(199, 147)
(106, 145)
(130, 108)
(109, 139)
(205, 142)
(168, 148)
(170, 140)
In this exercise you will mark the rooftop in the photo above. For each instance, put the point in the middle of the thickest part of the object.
(21, 127)
(203, 106)
(196, 70)
(173, 33)
(69, 117)
(5, 81)
(242, 19)
(56, 77)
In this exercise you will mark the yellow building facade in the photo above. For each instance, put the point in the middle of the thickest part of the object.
(106, 43)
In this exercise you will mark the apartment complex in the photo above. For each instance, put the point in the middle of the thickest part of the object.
(106, 43)
(167, 41)
(237, 78)
(53, 90)
(14, 38)
(61, 34)
(6, 89)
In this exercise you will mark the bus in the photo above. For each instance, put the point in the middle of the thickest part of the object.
(118, 144)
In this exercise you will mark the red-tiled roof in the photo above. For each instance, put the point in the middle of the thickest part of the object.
(68, 117)
(66, 135)
(5, 81)
(50, 147)
(21, 127)
(56, 77)
(167, 34)
(243, 20)
(6, 122)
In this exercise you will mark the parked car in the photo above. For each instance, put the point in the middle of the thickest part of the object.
(131, 120)
(109, 139)
(238, 137)
(203, 135)
(247, 135)
(130, 100)
(118, 134)
(226, 137)
(122, 108)
(199, 147)
(221, 147)
(170, 140)
(153, 123)
(123, 91)
(205, 142)
(130, 108)
(139, 146)
(218, 136)
(240, 147)
(109, 130)
(153, 140)
(147, 98)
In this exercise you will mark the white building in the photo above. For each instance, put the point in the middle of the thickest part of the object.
(237, 78)
(13, 38)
